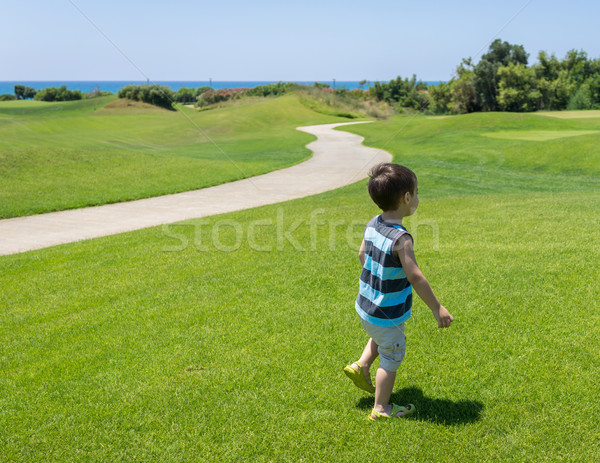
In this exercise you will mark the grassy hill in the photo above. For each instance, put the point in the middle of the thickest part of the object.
(56, 156)
(224, 338)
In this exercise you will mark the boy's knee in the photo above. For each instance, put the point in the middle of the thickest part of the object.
(392, 357)
(391, 344)
(393, 353)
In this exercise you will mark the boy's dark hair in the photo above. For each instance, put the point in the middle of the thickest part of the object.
(387, 184)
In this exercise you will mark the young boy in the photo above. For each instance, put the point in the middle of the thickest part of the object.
(389, 274)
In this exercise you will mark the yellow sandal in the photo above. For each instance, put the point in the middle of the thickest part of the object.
(358, 378)
(407, 411)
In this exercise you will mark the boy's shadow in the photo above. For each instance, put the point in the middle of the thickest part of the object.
(440, 411)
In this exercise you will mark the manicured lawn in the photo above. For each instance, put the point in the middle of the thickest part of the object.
(224, 338)
(56, 156)
(539, 135)
(570, 114)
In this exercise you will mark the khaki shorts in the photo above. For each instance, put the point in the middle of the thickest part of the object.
(391, 342)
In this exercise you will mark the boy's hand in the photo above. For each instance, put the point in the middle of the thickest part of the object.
(443, 317)
(404, 251)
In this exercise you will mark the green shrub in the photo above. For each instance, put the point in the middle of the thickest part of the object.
(185, 95)
(343, 103)
(158, 95)
(582, 99)
(7, 97)
(220, 95)
(440, 98)
(403, 92)
(22, 92)
(58, 94)
(594, 86)
(277, 89)
(556, 93)
(208, 96)
(201, 90)
(517, 88)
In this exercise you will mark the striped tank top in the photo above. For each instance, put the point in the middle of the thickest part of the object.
(385, 295)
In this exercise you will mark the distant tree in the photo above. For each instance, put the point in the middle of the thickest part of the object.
(581, 99)
(57, 94)
(158, 95)
(587, 95)
(47, 94)
(220, 95)
(403, 92)
(272, 89)
(200, 90)
(595, 66)
(517, 88)
(19, 91)
(593, 84)
(548, 67)
(440, 98)
(577, 66)
(485, 83)
(485, 80)
(555, 93)
(464, 97)
(23, 92)
(505, 53)
(29, 92)
(185, 95)
(420, 85)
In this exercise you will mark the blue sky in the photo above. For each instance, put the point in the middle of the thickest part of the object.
(277, 40)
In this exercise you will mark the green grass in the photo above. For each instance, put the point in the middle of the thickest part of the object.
(224, 338)
(56, 156)
(539, 135)
(570, 114)
(455, 154)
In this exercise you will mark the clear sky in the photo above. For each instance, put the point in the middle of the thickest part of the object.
(278, 40)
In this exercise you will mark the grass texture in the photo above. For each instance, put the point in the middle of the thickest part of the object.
(539, 135)
(570, 114)
(224, 338)
(56, 156)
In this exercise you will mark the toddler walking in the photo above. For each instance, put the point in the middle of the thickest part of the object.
(389, 274)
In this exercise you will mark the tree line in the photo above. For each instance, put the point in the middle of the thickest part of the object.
(163, 96)
(62, 93)
(503, 81)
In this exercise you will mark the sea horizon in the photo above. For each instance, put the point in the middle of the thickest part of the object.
(113, 86)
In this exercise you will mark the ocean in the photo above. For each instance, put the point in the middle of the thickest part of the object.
(114, 86)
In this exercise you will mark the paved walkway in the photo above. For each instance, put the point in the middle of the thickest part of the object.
(339, 159)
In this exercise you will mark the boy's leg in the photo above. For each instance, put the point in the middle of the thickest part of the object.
(362, 380)
(367, 358)
(392, 346)
(385, 385)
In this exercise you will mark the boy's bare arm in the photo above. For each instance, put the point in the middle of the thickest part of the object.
(361, 253)
(405, 252)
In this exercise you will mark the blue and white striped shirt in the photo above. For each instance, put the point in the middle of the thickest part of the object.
(385, 295)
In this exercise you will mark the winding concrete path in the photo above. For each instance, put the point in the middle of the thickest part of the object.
(339, 159)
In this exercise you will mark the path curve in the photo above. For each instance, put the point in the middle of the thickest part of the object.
(339, 158)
